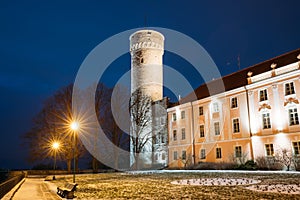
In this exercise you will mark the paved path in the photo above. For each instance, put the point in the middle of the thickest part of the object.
(36, 189)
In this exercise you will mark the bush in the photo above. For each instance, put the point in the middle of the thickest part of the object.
(267, 163)
(296, 162)
(214, 166)
(249, 165)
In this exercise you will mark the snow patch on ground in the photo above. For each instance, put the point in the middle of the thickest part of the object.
(278, 188)
(210, 171)
(217, 181)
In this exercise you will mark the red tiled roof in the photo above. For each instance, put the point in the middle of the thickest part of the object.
(239, 78)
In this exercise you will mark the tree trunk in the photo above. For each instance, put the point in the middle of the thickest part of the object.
(95, 165)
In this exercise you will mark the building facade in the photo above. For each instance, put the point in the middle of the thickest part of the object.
(256, 115)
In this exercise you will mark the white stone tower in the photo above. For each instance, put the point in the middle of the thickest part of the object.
(147, 49)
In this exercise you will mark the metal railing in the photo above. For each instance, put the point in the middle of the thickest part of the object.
(6, 186)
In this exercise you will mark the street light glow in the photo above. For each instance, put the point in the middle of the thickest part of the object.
(74, 126)
(55, 145)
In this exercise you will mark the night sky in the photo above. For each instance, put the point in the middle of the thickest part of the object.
(43, 43)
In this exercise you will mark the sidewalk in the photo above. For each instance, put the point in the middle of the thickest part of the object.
(33, 188)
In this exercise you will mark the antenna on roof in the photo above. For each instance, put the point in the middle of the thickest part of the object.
(239, 61)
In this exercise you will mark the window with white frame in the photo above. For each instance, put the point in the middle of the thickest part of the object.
(202, 131)
(263, 95)
(266, 120)
(174, 135)
(175, 156)
(201, 110)
(293, 116)
(174, 117)
(215, 107)
(289, 88)
(183, 155)
(234, 102)
(183, 133)
(202, 154)
(236, 125)
(238, 151)
(296, 147)
(217, 128)
(218, 152)
(182, 114)
(269, 149)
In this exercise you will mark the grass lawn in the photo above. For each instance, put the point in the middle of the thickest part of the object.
(158, 186)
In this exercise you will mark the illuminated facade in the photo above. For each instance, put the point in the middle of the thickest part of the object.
(257, 114)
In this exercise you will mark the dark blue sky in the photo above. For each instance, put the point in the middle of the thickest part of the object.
(42, 45)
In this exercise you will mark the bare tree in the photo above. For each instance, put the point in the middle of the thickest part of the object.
(284, 157)
(53, 124)
(186, 160)
(240, 159)
(141, 121)
(117, 122)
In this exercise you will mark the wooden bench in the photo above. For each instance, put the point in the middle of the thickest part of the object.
(67, 191)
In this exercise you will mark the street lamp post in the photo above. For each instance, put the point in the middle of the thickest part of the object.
(74, 127)
(55, 147)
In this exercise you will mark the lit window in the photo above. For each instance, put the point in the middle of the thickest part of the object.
(266, 120)
(174, 135)
(269, 150)
(182, 114)
(263, 95)
(183, 134)
(218, 153)
(175, 155)
(174, 117)
(296, 147)
(201, 130)
(217, 128)
(183, 155)
(215, 107)
(234, 102)
(202, 154)
(201, 110)
(293, 116)
(236, 125)
(289, 88)
(238, 151)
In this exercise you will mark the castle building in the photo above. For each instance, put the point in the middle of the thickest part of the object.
(256, 115)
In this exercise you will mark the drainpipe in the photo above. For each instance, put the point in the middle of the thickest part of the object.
(249, 123)
(193, 135)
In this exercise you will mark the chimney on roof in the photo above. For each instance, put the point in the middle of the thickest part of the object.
(249, 77)
(273, 66)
